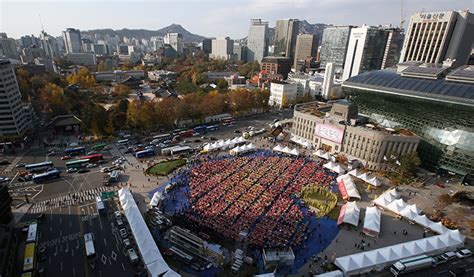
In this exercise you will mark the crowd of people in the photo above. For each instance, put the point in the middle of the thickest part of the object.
(257, 194)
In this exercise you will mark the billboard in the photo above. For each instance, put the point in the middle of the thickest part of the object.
(329, 132)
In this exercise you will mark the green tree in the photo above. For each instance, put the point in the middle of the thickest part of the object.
(222, 84)
(408, 163)
(83, 78)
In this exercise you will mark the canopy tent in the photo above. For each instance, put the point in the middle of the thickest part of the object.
(286, 150)
(380, 258)
(242, 149)
(150, 253)
(410, 212)
(349, 214)
(438, 227)
(223, 144)
(364, 177)
(354, 172)
(338, 169)
(347, 188)
(375, 182)
(336, 273)
(423, 221)
(397, 206)
(372, 221)
(301, 141)
(157, 197)
(386, 198)
(329, 165)
(326, 156)
(319, 153)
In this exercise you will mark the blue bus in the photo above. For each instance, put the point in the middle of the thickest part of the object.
(39, 166)
(212, 128)
(49, 175)
(145, 153)
(75, 151)
(200, 129)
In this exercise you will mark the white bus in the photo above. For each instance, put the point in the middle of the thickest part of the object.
(32, 232)
(123, 141)
(411, 264)
(100, 205)
(89, 246)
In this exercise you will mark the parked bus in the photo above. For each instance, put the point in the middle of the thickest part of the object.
(99, 146)
(77, 163)
(180, 150)
(114, 176)
(200, 129)
(100, 205)
(145, 153)
(122, 141)
(89, 247)
(212, 128)
(411, 264)
(187, 133)
(39, 166)
(228, 121)
(75, 151)
(49, 175)
(162, 137)
(93, 158)
(29, 261)
(32, 232)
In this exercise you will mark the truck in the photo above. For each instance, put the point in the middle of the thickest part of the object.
(412, 264)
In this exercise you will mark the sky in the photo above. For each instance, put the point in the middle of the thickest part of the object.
(210, 18)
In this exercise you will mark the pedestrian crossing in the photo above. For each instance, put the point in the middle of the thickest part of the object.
(70, 199)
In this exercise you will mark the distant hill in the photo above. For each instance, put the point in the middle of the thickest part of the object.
(142, 33)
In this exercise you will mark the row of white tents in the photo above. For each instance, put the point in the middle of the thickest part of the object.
(324, 155)
(378, 259)
(366, 177)
(350, 213)
(286, 150)
(151, 255)
(301, 141)
(335, 167)
(243, 149)
(347, 187)
(224, 144)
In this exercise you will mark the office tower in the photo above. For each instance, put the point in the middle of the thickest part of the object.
(306, 46)
(257, 41)
(49, 45)
(87, 45)
(8, 47)
(122, 50)
(175, 40)
(72, 40)
(207, 45)
(393, 47)
(285, 37)
(13, 116)
(156, 43)
(436, 37)
(334, 46)
(240, 52)
(222, 49)
(365, 50)
(328, 81)
(100, 49)
(30, 53)
(27, 41)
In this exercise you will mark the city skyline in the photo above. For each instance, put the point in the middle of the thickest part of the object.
(204, 18)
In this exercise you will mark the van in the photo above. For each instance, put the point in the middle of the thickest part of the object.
(132, 256)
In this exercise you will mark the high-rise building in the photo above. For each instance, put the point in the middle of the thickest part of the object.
(156, 43)
(222, 49)
(14, 120)
(276, 65)
(365, 50)
(328, 81)
(8, 47)
(286, 32)
(306, 46)
(100, 49)
(436, 37)
(175, 40)
(87, 45)
(207, 45)
(334, 46)
(72, 40)
(49, 45)
(240, 52)
(257, 41)
(393, 47)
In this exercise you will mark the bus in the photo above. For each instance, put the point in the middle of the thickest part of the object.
(411, 264)
(180, 150)
(32, 232)
(39, 166)
(100, 205)
(212, 128)
(99, 146)
(75, 151)
(93, 158)
(77, 163)
(89, 247)
(145, 153)
(200, 129)
(114, 175)
(187, 133)
(122, 141)
(162, 137)
(29, 262)
(48, 175)
(228, 121)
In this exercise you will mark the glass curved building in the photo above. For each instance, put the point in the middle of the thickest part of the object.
(436, 105)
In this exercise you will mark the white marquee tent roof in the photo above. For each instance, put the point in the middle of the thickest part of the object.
(372, 219)
(349, 214)
(349, 186)
(387, 197)
(397, 206)
(410, 212)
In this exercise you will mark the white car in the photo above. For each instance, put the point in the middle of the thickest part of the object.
(123, 233)
(104, 169)
(119, 221)
(91, 165)
(71, 170)
(117, 214)
(464, 253)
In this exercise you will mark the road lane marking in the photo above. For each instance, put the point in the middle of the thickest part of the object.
(123, 267)
(105, 242)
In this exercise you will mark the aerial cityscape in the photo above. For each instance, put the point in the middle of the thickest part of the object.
(239, 140)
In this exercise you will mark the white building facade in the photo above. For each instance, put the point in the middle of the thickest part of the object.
(282, 93)
(222, 49)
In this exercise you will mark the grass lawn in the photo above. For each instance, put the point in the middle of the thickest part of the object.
(166, 167)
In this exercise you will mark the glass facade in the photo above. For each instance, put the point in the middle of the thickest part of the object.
(334, 46)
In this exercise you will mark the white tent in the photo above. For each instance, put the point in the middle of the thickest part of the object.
(386, 198)
(372, 221)
(397, 206)
(347, 188)
(349, 214)
(150, 253)
(326, 156)
(410, 212)
(294, 152)
(364, 177)
(378, 259)
(375, 182)
(438, 227)
(338, 169)
(319, 153)
(286, 150)
(157, 197)
(277, 148)
(423, 221)
(329, 165)
(354, 172)
(336, 273)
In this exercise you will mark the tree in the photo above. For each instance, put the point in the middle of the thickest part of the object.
(222, 84)
(408, 163)
(121, 91)
(185, 87)
(102, 66)
(83, 78)
(23, 78)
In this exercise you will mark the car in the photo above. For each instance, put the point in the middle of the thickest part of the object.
(105, 169)
(197, 140)
(439, 260)
(119, 222)
(127, 243)
(92, 165)
(92, 153)
(449, 255)
(117, 214)
(123, 233)
(459, 271)
(20, 165)
(42, 249)
(63, 158)
(237, 131)
(71, 170)
(4, 179)
(132, 255)
(4, 162)
(464, 253)
(83, 170)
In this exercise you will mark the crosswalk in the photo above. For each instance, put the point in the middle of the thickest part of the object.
(69, 199)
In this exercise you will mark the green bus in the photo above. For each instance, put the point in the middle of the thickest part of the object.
(77, 163)
(99, 146)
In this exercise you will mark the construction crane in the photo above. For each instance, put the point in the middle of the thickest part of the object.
(402, 15)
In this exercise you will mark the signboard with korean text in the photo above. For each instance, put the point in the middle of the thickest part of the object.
(329, 132)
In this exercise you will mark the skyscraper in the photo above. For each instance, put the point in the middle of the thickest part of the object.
(207, 45)
(306, 46)
(328, 81)
(285, 37)
(257, 41)
(393, 47)
(175, 40)
(49, 45)
(13, 117)
(334, 46)
(8, 47)
(222, 49)
(435, 37)
(365, 50)
(72, 40)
